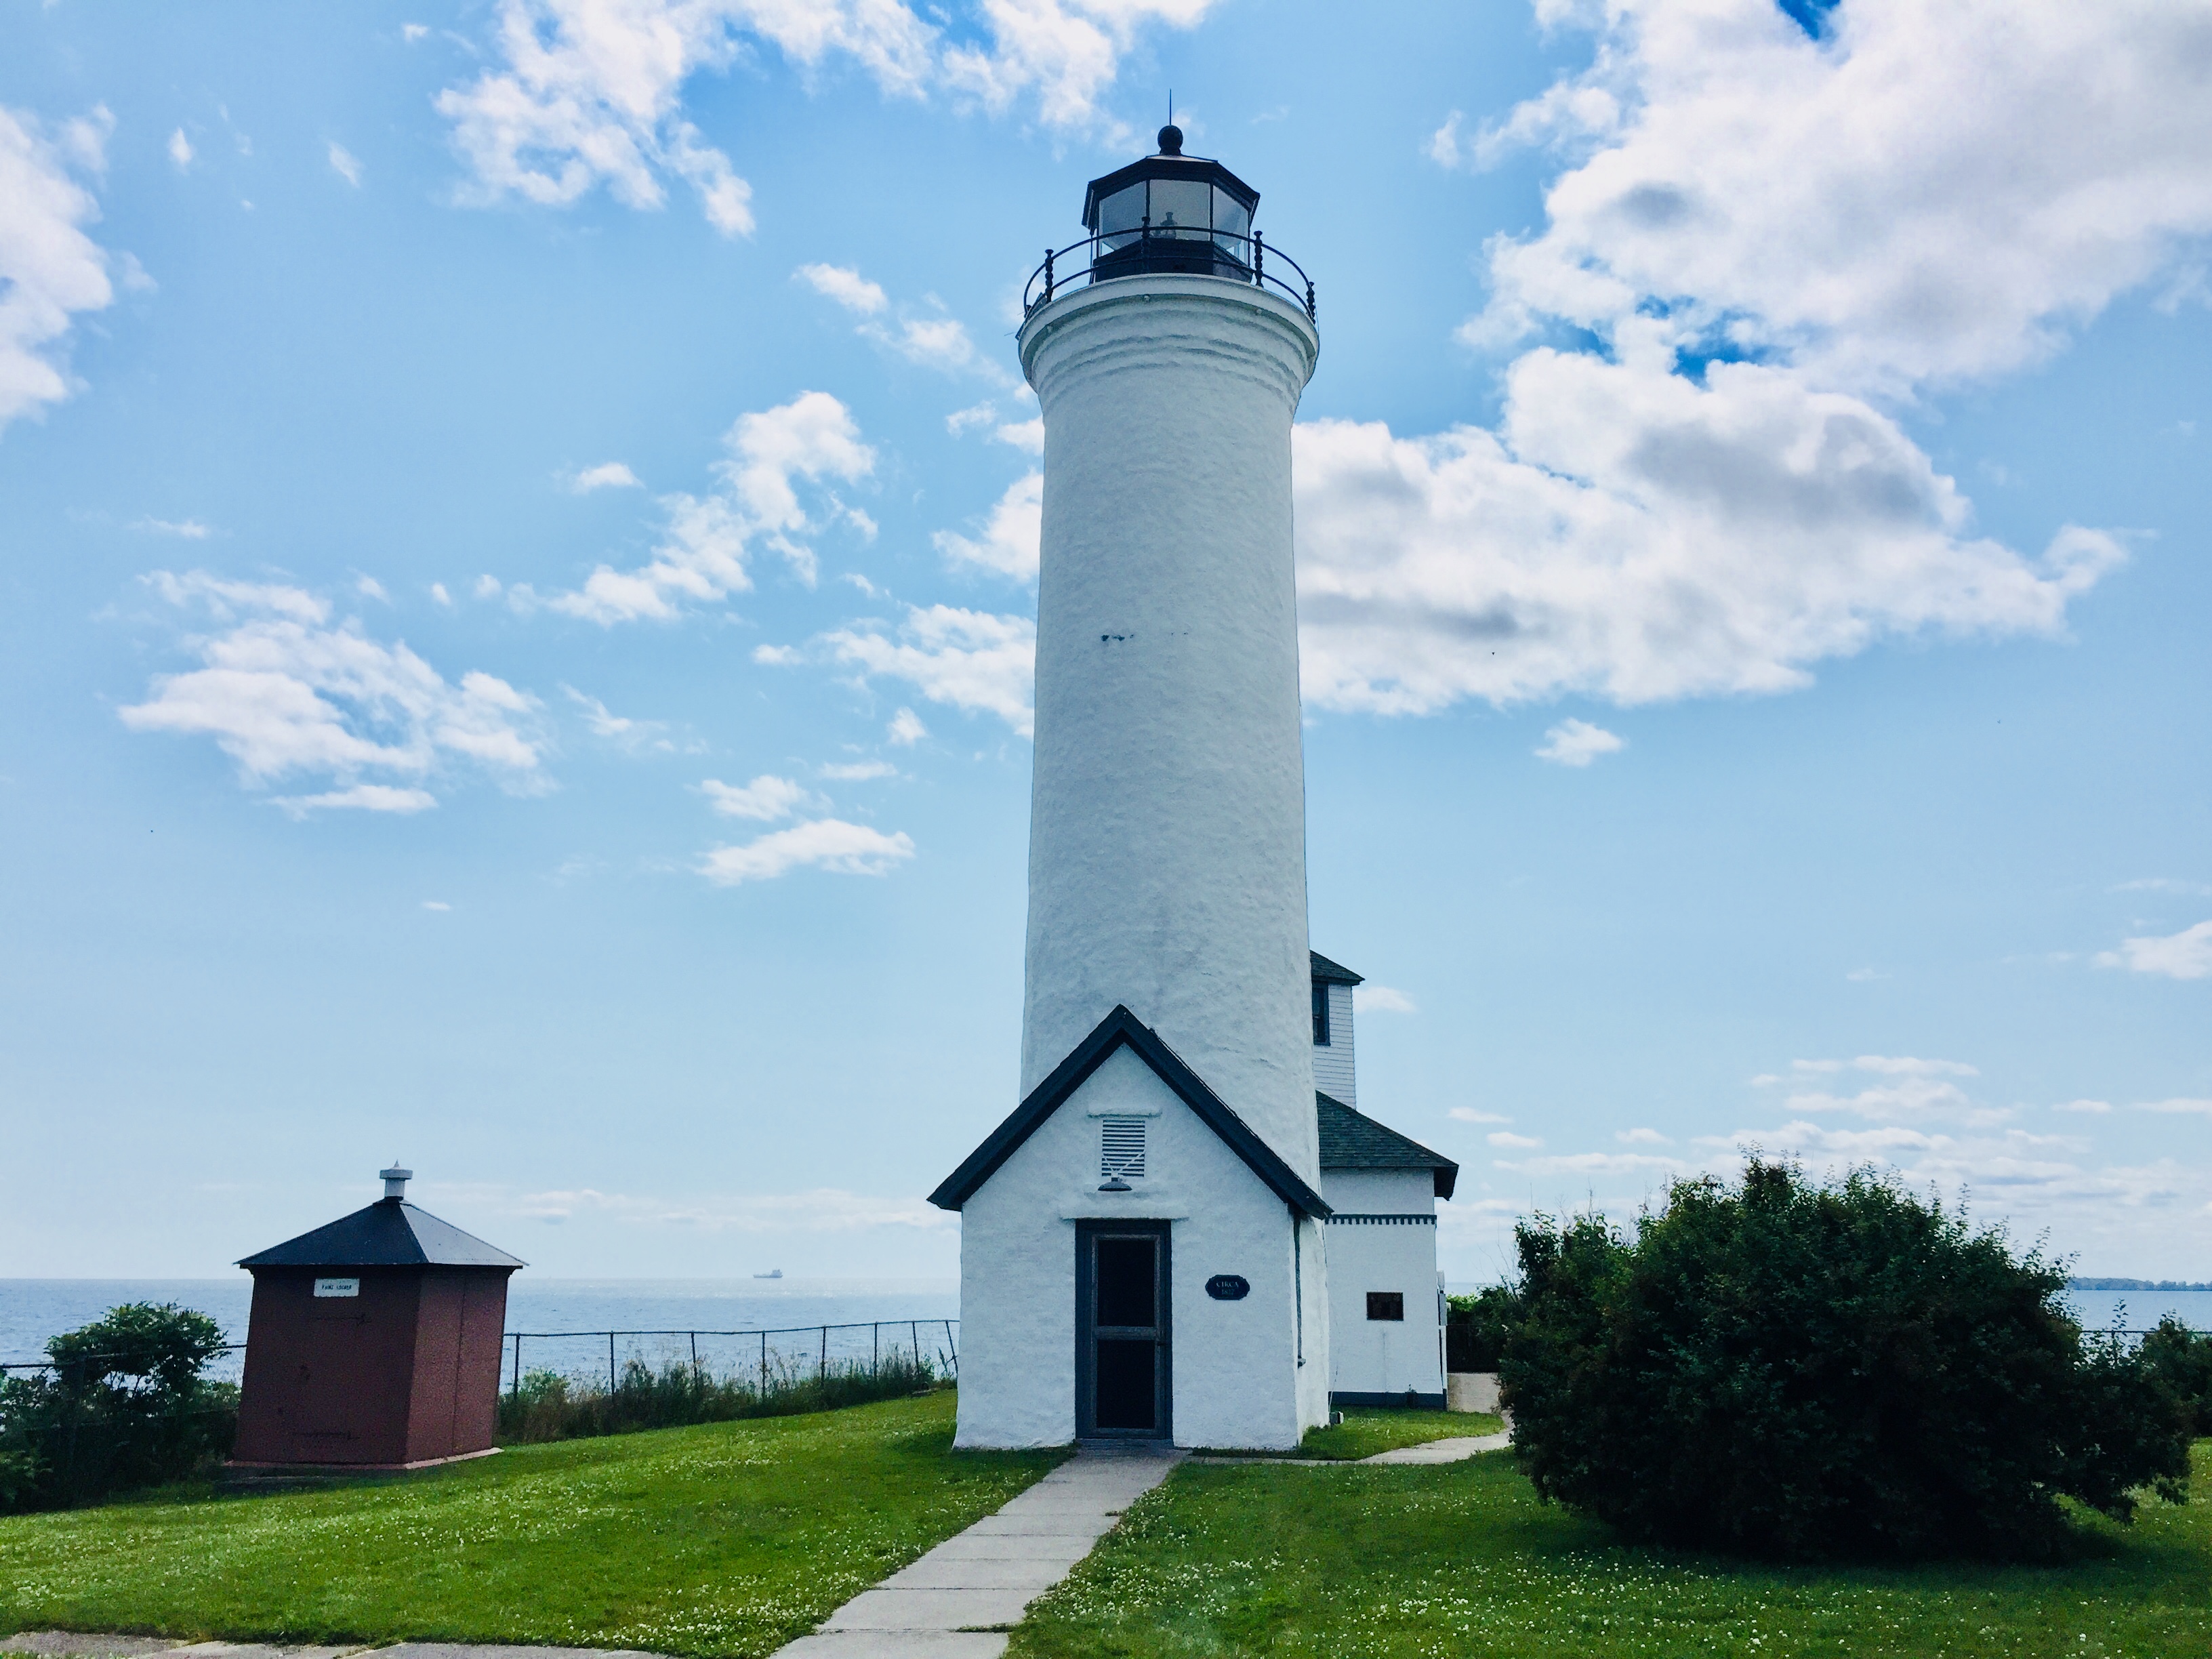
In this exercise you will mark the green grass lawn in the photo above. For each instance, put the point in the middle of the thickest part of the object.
(1461, 1559)
(727, 1539)
(1367, 1430)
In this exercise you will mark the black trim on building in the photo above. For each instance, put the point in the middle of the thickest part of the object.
(1118, 1029)
(1411, 1399)
(1331, 973)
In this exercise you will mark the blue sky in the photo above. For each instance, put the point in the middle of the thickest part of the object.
(519, 534)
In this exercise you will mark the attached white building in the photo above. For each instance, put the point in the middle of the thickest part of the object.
(1386, 1296)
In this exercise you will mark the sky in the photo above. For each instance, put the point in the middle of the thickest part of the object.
(519, 532)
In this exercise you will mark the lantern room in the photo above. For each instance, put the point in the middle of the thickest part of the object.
(373, 1343)
(1171, 212)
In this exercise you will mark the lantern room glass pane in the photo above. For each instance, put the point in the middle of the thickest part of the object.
(1121, 212)
(1182, 208)
(1230, 215)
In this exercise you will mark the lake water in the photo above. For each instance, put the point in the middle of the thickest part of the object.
(34, 1309)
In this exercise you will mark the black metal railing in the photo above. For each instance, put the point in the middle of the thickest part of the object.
(1147, 251)
(760, 1352)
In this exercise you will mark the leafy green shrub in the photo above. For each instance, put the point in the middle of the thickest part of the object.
(1476, 1327)
(547, 1405)
(2182, 1359)
(125, 1406)
(1802, 1370)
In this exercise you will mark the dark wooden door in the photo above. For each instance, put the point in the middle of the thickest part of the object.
(1122, 1363)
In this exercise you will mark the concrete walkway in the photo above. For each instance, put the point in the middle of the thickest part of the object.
(1454, 1450)
(958, 1601)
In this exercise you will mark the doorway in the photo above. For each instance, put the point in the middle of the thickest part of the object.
(1123, 1368)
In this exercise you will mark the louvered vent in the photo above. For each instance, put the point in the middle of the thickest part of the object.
(1122, 1148)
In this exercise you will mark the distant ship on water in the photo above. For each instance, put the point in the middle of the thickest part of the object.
(772, 1273)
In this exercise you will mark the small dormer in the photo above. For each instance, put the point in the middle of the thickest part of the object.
(1332, 1028)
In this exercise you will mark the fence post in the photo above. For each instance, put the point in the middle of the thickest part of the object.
(763, 1362)
(610, 1363)
(695, 1356)
(821, 1365)
(876, 1347)
(914, 1335)
(1258, 256)
(518, 1364)
(954, 1345)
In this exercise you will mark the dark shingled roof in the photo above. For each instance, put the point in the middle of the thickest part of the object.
(390, 1233)
(1353, 1140)
(1119, 1030)
(1332, 973)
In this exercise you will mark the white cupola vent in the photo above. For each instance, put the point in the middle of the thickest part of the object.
(1122, 1148)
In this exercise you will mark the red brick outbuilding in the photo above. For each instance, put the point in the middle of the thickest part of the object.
(375, 1343)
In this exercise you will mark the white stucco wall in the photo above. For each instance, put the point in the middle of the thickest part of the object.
(1237, 1381)
(1382, 1356)
(1167, 830)
(1335, 1069)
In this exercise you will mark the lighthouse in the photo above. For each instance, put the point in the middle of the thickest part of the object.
(1141, 1241)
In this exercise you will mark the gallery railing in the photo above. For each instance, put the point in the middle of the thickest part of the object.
(1147, 251)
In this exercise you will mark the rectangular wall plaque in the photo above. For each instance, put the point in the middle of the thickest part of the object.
(338, 1287)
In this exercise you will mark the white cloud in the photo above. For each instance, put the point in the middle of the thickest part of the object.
(486, 587)
(1468, 1114)
(1890, 206)
(767, 797)
(587, 94)
(1914, 1096)
(1641, 1137)
(369, 588)
(1906, 1066)
(622, 730)
(1010, 540)
(180, 149)
(438, 593)
(435, 905)
(1506, 1138)
(1027, 436)
(49, 270)
(824, 1210)
(906, 728)
(1577, 743)
(284, 691)
(960, 420)
(846, 286)
(940, 342)
(1863, 220)
(2166, 884)
(1382, 999)
(410, 32)
(2094, 1108)
(1634, 535)
(2200, 1108)
(190, 529)
(607, 475)
(970, 660)
(2184, 954)
(704, 552)
(362, 797)
(1864, 976)
(345, 164)
(830, 844)
(1587, 1165)
(859, 771)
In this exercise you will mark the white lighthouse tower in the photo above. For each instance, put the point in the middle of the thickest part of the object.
(1141, 1253)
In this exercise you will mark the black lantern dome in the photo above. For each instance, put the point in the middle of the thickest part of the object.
(1171, 212)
